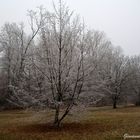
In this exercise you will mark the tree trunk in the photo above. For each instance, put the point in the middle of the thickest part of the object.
(57, 124)
(114, 104)
(138, 99)
(56, 118)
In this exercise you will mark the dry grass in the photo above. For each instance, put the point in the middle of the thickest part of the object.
(94, 124)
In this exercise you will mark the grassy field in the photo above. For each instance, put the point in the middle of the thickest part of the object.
(93, 124)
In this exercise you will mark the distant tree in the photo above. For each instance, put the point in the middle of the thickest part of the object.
(15, 44)
(115, 73)
(134, 78)
(97, 50)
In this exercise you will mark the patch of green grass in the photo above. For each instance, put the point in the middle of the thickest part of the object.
(94, 124)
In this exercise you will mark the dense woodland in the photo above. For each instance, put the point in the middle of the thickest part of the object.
(60, 64)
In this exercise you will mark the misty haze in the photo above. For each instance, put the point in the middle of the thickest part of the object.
(69, 70)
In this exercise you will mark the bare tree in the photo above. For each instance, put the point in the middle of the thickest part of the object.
(62, 59)
(15, 44)
(115, 72)
(134, 78)
(97, 49)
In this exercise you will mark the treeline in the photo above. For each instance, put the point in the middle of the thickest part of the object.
(61, 62)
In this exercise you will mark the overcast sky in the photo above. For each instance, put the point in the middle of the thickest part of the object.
(119, 19)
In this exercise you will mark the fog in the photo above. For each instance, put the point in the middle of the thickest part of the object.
(120, 20)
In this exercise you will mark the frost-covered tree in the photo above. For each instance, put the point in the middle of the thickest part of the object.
(134, 78)
(16, 45)
(60, 59)
(114, 73)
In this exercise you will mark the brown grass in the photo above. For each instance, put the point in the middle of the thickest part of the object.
(66, 127)
(94, 124)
